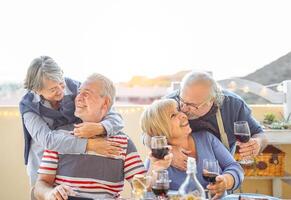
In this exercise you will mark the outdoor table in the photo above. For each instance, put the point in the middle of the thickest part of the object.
(249, 196)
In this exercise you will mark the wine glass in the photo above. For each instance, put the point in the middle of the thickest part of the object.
(161, 183)
(140, 183)
(242, 134)
(159, 146)
(210, 172)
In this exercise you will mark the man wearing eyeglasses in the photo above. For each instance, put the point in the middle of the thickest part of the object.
(211, 108)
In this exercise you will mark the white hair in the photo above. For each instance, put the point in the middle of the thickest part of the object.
(107, 87)
(200, 76)
(39, 69)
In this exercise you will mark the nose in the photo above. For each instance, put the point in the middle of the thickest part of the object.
(79, 97)
(61, 88)
(182, 115)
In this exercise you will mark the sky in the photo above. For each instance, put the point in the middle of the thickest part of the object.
(123, 38)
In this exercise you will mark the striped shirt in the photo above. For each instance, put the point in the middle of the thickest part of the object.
(94, 174)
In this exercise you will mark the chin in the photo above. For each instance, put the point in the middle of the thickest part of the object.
(190, 130)
(77, 114)
(59, 98)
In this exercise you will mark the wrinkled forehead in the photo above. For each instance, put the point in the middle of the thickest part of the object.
(49, 83)
(197, 90)
(93, 87)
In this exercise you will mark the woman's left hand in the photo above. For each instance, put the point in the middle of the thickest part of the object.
(219, 187)
(88, 129)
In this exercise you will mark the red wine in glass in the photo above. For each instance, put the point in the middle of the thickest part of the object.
(242, 134)
(242, 137)
(210, 170)
(161, 190)
(160, 153)
(210, 176)
(159, 146)
(161, 185)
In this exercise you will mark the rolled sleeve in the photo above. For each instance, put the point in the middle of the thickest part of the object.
(112, 122)
(237, 175)
(108, 127)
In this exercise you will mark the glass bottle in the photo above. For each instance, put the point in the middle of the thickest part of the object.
(191, 188)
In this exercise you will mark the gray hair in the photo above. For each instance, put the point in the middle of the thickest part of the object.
(107, 87)
(39, 69)
(199, 76)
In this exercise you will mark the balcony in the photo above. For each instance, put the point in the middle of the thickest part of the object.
(14, 181)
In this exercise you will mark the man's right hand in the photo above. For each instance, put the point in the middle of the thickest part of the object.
(60, 192)
(180, 157)
(101, 145)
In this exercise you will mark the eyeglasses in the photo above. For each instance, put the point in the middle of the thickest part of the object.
(182, 103)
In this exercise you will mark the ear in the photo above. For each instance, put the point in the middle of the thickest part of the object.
(105, 106)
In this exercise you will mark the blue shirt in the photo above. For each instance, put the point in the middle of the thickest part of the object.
(208, 147)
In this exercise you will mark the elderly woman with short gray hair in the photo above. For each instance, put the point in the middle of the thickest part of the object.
(47, 106)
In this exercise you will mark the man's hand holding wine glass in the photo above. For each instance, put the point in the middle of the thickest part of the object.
(250, 148)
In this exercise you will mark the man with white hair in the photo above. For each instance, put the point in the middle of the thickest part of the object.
(90, 175)
(211, 108)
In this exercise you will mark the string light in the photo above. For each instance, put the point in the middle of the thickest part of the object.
(131, 110)
(232, 86)
(263, 92)
(9, 114)
(246, 89)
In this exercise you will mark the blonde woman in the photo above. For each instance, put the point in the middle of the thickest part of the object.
(163, 118)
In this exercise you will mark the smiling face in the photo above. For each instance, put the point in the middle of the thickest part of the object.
(196, 99)
(179, 123)
(90, 105)
(53, 91)
(162, 118)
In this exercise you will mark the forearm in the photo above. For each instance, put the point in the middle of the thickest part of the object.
(64, 143)
(42, 189)
(262, 138)
(57, 140)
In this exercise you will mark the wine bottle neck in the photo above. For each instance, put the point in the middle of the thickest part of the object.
(191, 170)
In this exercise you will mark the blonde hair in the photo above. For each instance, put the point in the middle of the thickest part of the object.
(156, 119)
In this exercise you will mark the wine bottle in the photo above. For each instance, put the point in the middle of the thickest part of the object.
(191, 186)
